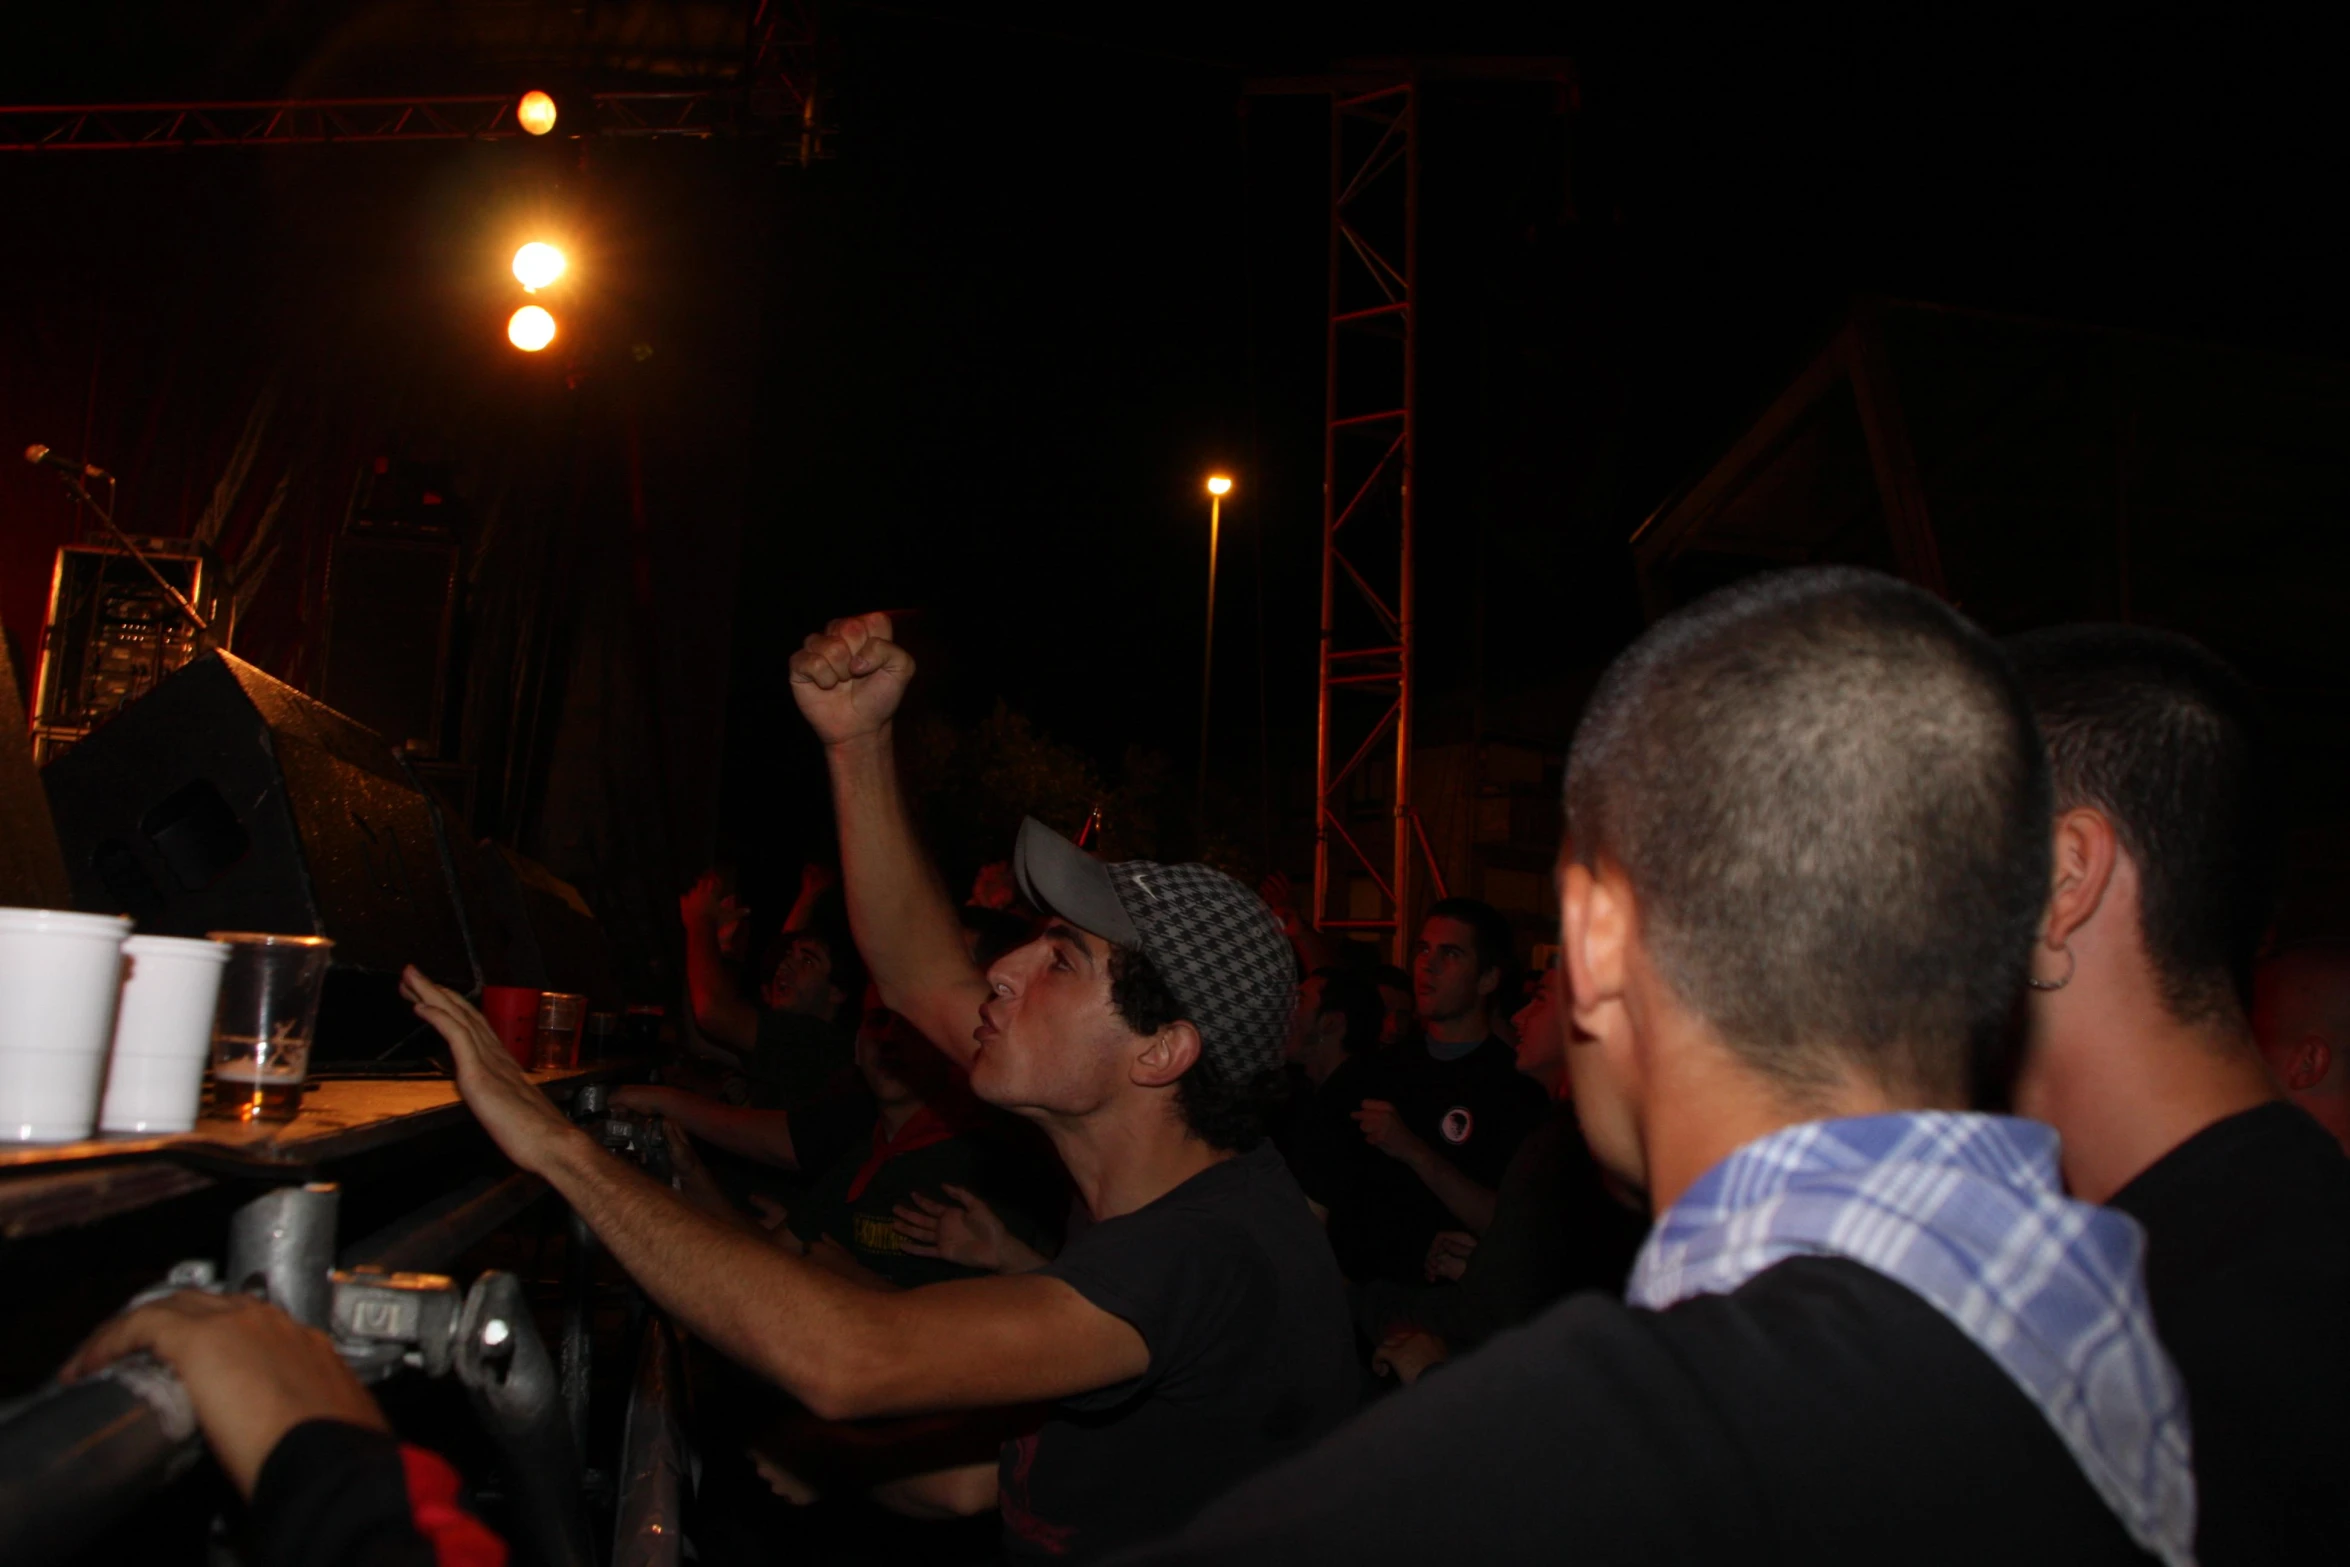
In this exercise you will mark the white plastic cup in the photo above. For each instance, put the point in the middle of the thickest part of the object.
(58, 976)
(162, 1034)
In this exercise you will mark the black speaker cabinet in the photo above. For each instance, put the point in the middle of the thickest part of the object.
(226, 800)
(32, 872)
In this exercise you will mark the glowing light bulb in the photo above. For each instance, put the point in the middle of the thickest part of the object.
(1219, 485)
(537, 264)
(530, 329)
(536, 113)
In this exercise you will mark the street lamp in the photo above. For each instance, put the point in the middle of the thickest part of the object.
(1219, 486)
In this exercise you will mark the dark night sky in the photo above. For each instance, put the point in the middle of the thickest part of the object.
(1055, 274)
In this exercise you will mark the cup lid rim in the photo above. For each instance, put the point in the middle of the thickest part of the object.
(264, 938)
(190, 945)
(66, 918)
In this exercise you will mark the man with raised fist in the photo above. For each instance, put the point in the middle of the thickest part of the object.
(1195, 1332)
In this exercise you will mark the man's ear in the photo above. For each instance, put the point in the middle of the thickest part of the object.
(2307, 1063)
(1166, 1055)
(1488, 981)
(2085, 851)
(1595, 933)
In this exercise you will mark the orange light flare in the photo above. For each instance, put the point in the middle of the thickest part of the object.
(1219, 485)
(535, 113)
(538, 264)
(530, 329)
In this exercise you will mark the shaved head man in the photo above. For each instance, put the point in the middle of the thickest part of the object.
(1808, 819)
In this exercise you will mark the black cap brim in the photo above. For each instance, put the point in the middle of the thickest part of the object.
(1060, 878)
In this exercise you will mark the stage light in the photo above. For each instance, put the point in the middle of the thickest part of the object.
(536, 113)
(1219, 485)
(531, 329)
(537, 264)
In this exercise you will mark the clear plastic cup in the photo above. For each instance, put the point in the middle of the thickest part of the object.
(562, 1013)
(261, 1031)
(58, 976)
(162, 1034)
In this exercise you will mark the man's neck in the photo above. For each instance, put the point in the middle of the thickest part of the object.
(1129, 1155)
(1469, 1028)
(2124, 1082)
(895, 1116)
(1705, 1105)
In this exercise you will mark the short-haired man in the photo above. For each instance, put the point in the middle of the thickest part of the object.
(2140, 1055)
(1439, 1118)
(2301, 1017)
(1195, 1332)
(1809, 827)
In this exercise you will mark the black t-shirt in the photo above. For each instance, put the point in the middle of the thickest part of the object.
(1820, 1414)
(1473, 1111)
(1556, 1230)
(1230, 1283)
(2248, 1265)
(969, 1158)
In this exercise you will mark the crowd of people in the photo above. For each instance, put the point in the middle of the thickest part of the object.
(1924, 1148)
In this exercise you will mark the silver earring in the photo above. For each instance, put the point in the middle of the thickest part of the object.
(2071, 962)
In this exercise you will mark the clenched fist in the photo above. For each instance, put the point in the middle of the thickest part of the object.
(850, 677)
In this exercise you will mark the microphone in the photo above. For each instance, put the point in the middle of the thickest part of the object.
(42, 457)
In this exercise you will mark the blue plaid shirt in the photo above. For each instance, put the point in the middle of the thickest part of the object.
(1966, 1211)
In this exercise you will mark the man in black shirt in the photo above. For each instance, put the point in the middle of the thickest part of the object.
(1195, 1332)
(2141, 1056)
(1440, 1119)
(1558, 1228)
(1808, 827)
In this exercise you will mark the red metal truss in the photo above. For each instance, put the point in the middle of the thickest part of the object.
(1369, 436)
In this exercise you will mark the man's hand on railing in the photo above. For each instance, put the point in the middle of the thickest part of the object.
(252, 1372)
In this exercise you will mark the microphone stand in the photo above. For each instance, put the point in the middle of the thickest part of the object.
(205, 641)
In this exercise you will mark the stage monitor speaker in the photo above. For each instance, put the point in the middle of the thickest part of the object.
(226, 800)
(32, 871)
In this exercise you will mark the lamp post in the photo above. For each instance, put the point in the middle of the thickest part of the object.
(1219, 486)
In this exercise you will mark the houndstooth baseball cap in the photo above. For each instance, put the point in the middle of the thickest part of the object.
(1214, 942)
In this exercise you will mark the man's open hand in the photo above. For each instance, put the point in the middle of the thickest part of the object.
(519, 1119)
(1448, 1254)
(961, 1230)
(849, 678)
(252, 1372)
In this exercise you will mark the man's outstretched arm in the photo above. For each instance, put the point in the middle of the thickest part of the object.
(764, 1135)
(848, 681)
(845, 1351)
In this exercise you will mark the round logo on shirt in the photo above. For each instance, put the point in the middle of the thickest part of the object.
(1457, 1125)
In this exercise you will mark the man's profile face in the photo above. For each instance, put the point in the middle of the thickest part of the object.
(1049, 1040)
(1445, 979)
